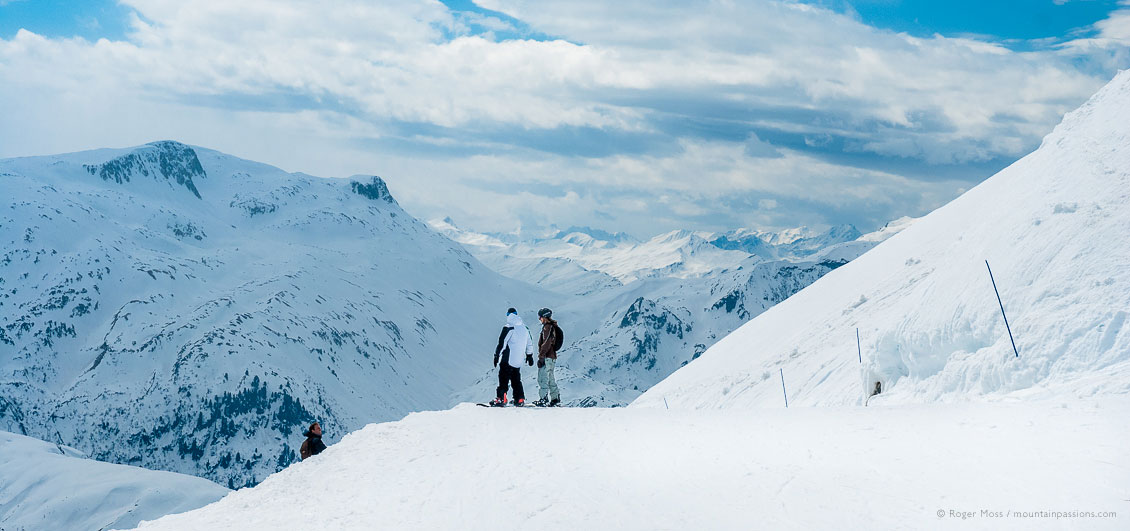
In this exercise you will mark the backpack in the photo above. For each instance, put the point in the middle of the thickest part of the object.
(304, 451)
(558, 338)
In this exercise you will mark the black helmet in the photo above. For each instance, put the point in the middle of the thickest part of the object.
(545, 312)
(511, 311)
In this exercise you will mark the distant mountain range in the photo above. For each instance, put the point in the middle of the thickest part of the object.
(636, 311)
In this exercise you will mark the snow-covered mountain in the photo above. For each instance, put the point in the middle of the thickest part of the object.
(52, 486)
(617, 238)
(795, 243)
(543, 262)
(582, 261)
(676, 294)
(679, 254)
(1051, 226)
(181, 309)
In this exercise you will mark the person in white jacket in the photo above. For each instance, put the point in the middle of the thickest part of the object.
(514, 341)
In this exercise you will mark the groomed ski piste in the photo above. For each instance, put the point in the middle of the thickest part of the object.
(966, 434)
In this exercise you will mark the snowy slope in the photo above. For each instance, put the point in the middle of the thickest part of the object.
(181, 309)
(630, 468)
(48, 486)
(1053, 227)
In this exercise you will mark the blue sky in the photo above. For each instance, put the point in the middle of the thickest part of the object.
(109, 19)
(90, 19)
(639, 116)
(998, 20)
(1012, 20)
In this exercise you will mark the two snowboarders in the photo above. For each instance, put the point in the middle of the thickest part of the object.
(313, 444)
(514, 341)
(549, 342)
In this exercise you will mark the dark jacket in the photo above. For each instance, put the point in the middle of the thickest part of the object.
(500, 350)
(547, 341)
(314, 443)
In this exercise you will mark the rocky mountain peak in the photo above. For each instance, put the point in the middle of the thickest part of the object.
(165, 160)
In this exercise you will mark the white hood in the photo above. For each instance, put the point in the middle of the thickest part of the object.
(518, 339)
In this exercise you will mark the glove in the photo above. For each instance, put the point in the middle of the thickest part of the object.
(496, 360)
(530, 360)
(541, 362)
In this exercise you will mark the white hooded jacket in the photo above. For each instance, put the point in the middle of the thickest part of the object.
(517, 339)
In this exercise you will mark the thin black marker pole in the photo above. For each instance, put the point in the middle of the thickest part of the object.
(857, 347)
(1009, 328)
(665, 403)
(783, 387)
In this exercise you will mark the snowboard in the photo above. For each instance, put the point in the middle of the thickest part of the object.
(530, 406)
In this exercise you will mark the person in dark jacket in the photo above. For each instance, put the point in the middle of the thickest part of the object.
(548, 343)
(313, 444)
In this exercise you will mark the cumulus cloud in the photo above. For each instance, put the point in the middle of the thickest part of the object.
(722, 108)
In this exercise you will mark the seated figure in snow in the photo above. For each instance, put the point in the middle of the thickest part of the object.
(313, 444)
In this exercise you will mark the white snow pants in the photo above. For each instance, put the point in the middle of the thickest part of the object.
(547, 385)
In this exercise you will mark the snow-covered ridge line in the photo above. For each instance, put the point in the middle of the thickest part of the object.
(50, 486)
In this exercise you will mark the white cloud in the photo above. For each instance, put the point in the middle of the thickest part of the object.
(1117, 26)
(324, 86)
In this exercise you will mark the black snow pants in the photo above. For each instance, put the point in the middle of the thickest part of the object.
(508, 375)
